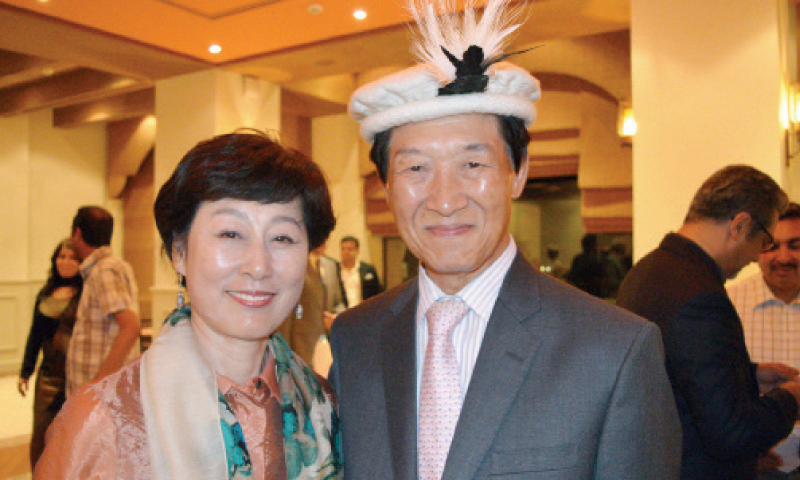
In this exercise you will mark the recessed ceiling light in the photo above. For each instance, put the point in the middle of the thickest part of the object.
(315, 9)
(360, 14)
(215, 49)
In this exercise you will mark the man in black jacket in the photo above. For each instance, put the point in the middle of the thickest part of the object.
(680, 286)
(360, 279)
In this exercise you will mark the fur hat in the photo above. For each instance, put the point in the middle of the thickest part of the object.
(461, 72)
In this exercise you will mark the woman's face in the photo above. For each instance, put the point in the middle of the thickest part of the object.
(67, 262)
(245, 265)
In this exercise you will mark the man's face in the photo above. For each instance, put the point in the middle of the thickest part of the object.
(79, 244)
(749, 248)
(450, 185)
(349, 252)
(780, 265)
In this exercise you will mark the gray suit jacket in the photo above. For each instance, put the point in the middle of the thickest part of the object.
(565, 387)
(332, 281)
(302, 334)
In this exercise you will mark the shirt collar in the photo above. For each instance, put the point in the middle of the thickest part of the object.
(480, 294)
(93, 258)
(763, 294)
(253, 387)
(356, 266)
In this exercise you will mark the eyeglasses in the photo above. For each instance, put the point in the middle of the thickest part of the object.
(768, 243)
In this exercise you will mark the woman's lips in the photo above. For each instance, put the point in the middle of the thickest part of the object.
(252, 299)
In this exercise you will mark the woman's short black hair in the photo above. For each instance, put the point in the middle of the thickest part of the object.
(245, 165)
(513, 130)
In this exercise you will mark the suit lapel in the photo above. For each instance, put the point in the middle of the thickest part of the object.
(507, 351)
(398, 349)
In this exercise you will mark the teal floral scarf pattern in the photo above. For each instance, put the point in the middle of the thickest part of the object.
(239, 465)
(311, 437)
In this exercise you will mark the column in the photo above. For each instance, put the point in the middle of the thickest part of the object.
(707, 92)
(191, 108)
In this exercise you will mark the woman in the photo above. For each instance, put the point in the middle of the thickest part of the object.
(51, 329)
(217, 395)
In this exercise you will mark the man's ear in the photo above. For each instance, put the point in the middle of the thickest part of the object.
(740, 227)
(520, 178)
(385, 187)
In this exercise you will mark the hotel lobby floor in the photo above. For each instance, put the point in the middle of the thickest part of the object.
(16, 418)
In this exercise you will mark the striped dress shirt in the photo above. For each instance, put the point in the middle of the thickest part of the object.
(480, 295)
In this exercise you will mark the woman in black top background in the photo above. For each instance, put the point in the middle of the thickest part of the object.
(51, 330)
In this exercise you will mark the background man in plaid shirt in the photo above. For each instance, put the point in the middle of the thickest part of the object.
(769, 305)
(106, 334)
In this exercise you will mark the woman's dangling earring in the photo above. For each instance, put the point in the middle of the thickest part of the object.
(298, 311)
(181, 297)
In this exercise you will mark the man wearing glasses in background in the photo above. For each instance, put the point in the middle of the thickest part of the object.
(769, 306)
(731, 410)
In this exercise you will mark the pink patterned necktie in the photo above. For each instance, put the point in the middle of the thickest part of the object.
(440, 391)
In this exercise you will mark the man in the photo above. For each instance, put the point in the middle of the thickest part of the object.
(305, 324)
(552, 265)
(329, 271)
(680, 286)
(320, 301)
(360, 280)
(769, 305)
(615, 262)
(587, 271)
(106, 333)
(481, 366)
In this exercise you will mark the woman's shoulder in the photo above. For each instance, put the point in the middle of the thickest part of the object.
(121, 389)
(102, 420)
(116, 399)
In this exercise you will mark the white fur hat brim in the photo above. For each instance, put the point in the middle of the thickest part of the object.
(412, 95)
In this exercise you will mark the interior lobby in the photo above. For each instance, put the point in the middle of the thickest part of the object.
(100, 100)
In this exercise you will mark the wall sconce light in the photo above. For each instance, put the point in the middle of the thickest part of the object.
(792, 121)
(794, 106)
(626, 124)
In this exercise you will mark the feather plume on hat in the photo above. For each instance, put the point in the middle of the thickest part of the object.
(461, 71)
(443, 36)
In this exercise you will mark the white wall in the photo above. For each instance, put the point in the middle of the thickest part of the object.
(562, 225)
(525, 227)
(334, 144)
(701, 100)
(46, 173)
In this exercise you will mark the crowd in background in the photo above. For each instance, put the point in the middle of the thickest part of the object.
(478, 366)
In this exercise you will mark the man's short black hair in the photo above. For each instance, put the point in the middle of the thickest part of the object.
(350, 239)
(515, 135)
(736, 189)
(792, 212)
(96, 225)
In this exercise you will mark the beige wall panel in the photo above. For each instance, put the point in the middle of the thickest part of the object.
(701, 102)
(14, 161)
(335, 148)
(67, 171)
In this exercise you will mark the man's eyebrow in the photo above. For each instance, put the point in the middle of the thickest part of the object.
(477, 147)
(407, 151)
